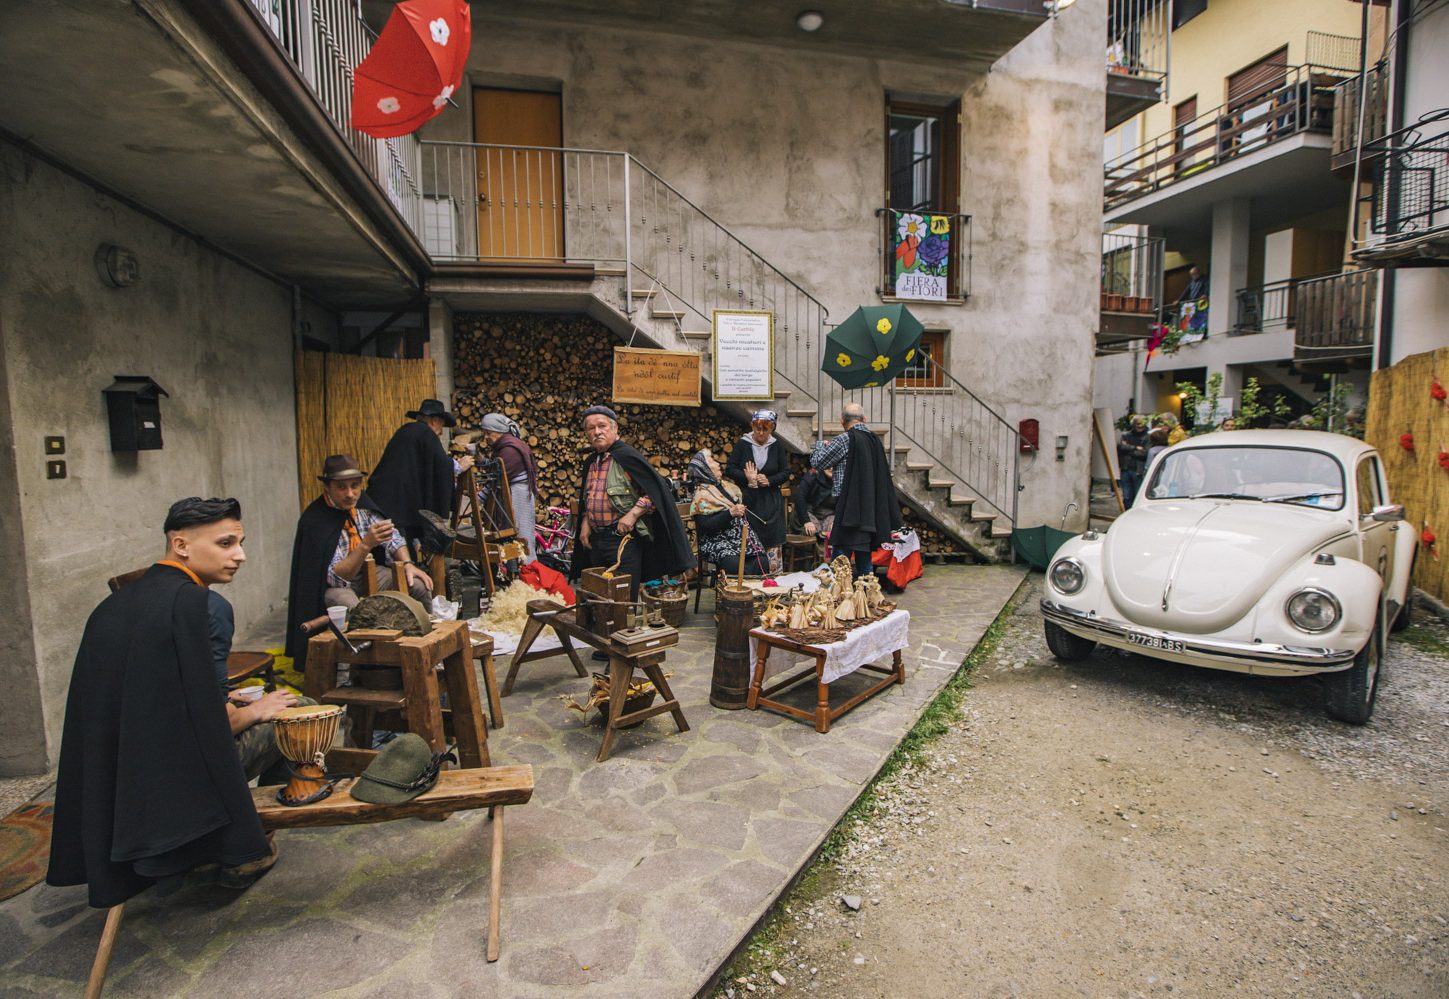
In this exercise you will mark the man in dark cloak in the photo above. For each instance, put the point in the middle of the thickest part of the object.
(622, 496)
(415, 472)
(866, 509)
(335, 534)
(150, 783)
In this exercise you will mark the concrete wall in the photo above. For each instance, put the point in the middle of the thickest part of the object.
(216, 335)
(786, 148)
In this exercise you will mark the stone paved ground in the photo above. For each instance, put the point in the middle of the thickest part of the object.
(635, 876)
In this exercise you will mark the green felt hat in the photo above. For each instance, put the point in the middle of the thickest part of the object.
(404, 769)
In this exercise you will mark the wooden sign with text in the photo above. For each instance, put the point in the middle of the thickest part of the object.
(659, 377)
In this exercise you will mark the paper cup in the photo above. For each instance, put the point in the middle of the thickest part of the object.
(338, 614)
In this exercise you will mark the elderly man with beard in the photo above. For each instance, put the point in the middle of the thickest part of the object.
(622, 496)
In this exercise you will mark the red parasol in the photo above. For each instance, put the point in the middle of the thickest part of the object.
(413, 68)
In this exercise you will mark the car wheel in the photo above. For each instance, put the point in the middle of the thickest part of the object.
(1066, 646)
(1351, 692)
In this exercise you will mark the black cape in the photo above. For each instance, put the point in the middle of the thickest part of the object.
(867, 508)
(669, 553)
(316, 540)
(150, 784)
(414, 473)
(767, 504)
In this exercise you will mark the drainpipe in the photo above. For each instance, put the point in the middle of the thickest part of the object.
(1399, 72)
(628, 248)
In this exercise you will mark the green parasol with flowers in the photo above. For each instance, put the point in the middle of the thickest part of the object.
(872, 346)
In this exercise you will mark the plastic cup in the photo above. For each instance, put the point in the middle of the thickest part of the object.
(338, 614)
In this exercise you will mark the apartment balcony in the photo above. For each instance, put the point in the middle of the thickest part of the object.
(1352, 119)
(1138, 56)
(1331, 317)
(1408, 224)
(1271, 147)
(228, 118)
(1131, 289)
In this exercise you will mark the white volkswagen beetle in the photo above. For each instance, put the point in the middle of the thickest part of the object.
(1273, 552)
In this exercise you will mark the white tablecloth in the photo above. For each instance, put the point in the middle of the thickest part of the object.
(859, 647)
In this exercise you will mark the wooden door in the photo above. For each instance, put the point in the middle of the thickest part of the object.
(520, 178)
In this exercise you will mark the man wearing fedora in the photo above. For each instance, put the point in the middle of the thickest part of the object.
(335, 534)
(415, 472)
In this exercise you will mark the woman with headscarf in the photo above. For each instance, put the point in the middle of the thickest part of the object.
(759, 466)
(720, 514)
(521, 471)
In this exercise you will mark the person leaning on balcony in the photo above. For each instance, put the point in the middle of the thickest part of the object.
(1132, 456)
(866, 510)
(1197, 285)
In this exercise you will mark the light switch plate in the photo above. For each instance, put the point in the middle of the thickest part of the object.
(55, 469)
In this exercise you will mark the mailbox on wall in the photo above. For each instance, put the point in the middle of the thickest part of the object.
(1028, 436)
(133, 403)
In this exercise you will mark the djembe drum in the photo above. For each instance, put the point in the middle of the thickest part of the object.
(304, 734)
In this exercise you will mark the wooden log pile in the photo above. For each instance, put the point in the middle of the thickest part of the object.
(543, 370)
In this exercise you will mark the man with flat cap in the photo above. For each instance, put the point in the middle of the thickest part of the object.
(415, 472)
(622, 496)
(335, 534)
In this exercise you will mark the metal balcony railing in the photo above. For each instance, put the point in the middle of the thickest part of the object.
(524, 204)
(1335, 316)
(1139, 38)
(1301, 101)
(324, 40)
(1411, 193)
(1131, 272)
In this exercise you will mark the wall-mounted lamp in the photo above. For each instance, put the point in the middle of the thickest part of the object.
(117, 266)
(809, 20)
(1062, 447)
(1055, 7)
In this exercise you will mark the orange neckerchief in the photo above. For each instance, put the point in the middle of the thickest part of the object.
(186, 569)
(354, 540)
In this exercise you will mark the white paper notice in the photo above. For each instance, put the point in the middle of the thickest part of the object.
(744, 355)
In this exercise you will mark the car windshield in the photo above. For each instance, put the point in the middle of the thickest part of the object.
(1266, 474)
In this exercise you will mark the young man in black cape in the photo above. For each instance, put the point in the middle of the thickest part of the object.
(621, 495)
(335, 534)
(415, 472)
(866, 509)
(150, 784)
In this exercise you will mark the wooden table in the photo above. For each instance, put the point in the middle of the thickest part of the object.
(448, 643)
(823, 715)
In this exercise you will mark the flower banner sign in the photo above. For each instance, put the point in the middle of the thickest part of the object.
(922, 255)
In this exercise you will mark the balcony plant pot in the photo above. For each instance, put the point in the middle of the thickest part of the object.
(1112, 303)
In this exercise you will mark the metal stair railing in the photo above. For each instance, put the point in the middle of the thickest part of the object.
(607, 208)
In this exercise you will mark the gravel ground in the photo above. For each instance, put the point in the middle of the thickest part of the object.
(1125, 827)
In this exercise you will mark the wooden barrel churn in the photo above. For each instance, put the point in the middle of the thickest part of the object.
(731, 682)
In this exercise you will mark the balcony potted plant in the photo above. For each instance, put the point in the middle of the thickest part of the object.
(1111, 303)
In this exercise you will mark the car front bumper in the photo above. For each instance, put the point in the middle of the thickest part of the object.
(1242, 657)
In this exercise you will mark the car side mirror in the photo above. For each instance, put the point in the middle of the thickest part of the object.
(1393, 513)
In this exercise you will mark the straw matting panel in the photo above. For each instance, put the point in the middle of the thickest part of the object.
(353, 405)
(1399, 402)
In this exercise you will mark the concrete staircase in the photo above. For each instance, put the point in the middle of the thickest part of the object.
(937, 498)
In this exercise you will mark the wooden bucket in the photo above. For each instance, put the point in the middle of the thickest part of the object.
(729, 686)
(672, 605)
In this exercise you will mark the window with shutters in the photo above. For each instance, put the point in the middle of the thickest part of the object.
(1183, 115)
(1252, 93)
(923, 171)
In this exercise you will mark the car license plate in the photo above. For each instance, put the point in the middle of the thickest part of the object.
(1156, 642)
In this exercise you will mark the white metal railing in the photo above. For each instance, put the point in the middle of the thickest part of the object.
(1139, 38)
(1131, 270)
(513, 204)
(325, 40)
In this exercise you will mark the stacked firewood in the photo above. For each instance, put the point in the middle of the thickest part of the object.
(543, 370)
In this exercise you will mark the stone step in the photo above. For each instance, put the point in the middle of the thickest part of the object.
(674, 314)
(800, 411)
(939, 483)
(999, 532)
(643, 292)
(920, 466)
(960, 499)
(694, 334)
(982, 517)
(609, 270)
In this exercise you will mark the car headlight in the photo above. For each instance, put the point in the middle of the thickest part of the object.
(1068, 576)
(1313, 610)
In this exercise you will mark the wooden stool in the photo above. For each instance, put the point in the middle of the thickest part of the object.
(456, 791)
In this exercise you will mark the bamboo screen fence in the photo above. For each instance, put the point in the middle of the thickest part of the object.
(1401, 401)
(353, 405)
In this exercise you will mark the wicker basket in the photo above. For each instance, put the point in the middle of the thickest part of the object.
(673, 606)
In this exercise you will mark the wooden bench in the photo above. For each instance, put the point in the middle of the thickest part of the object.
(456, 791)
